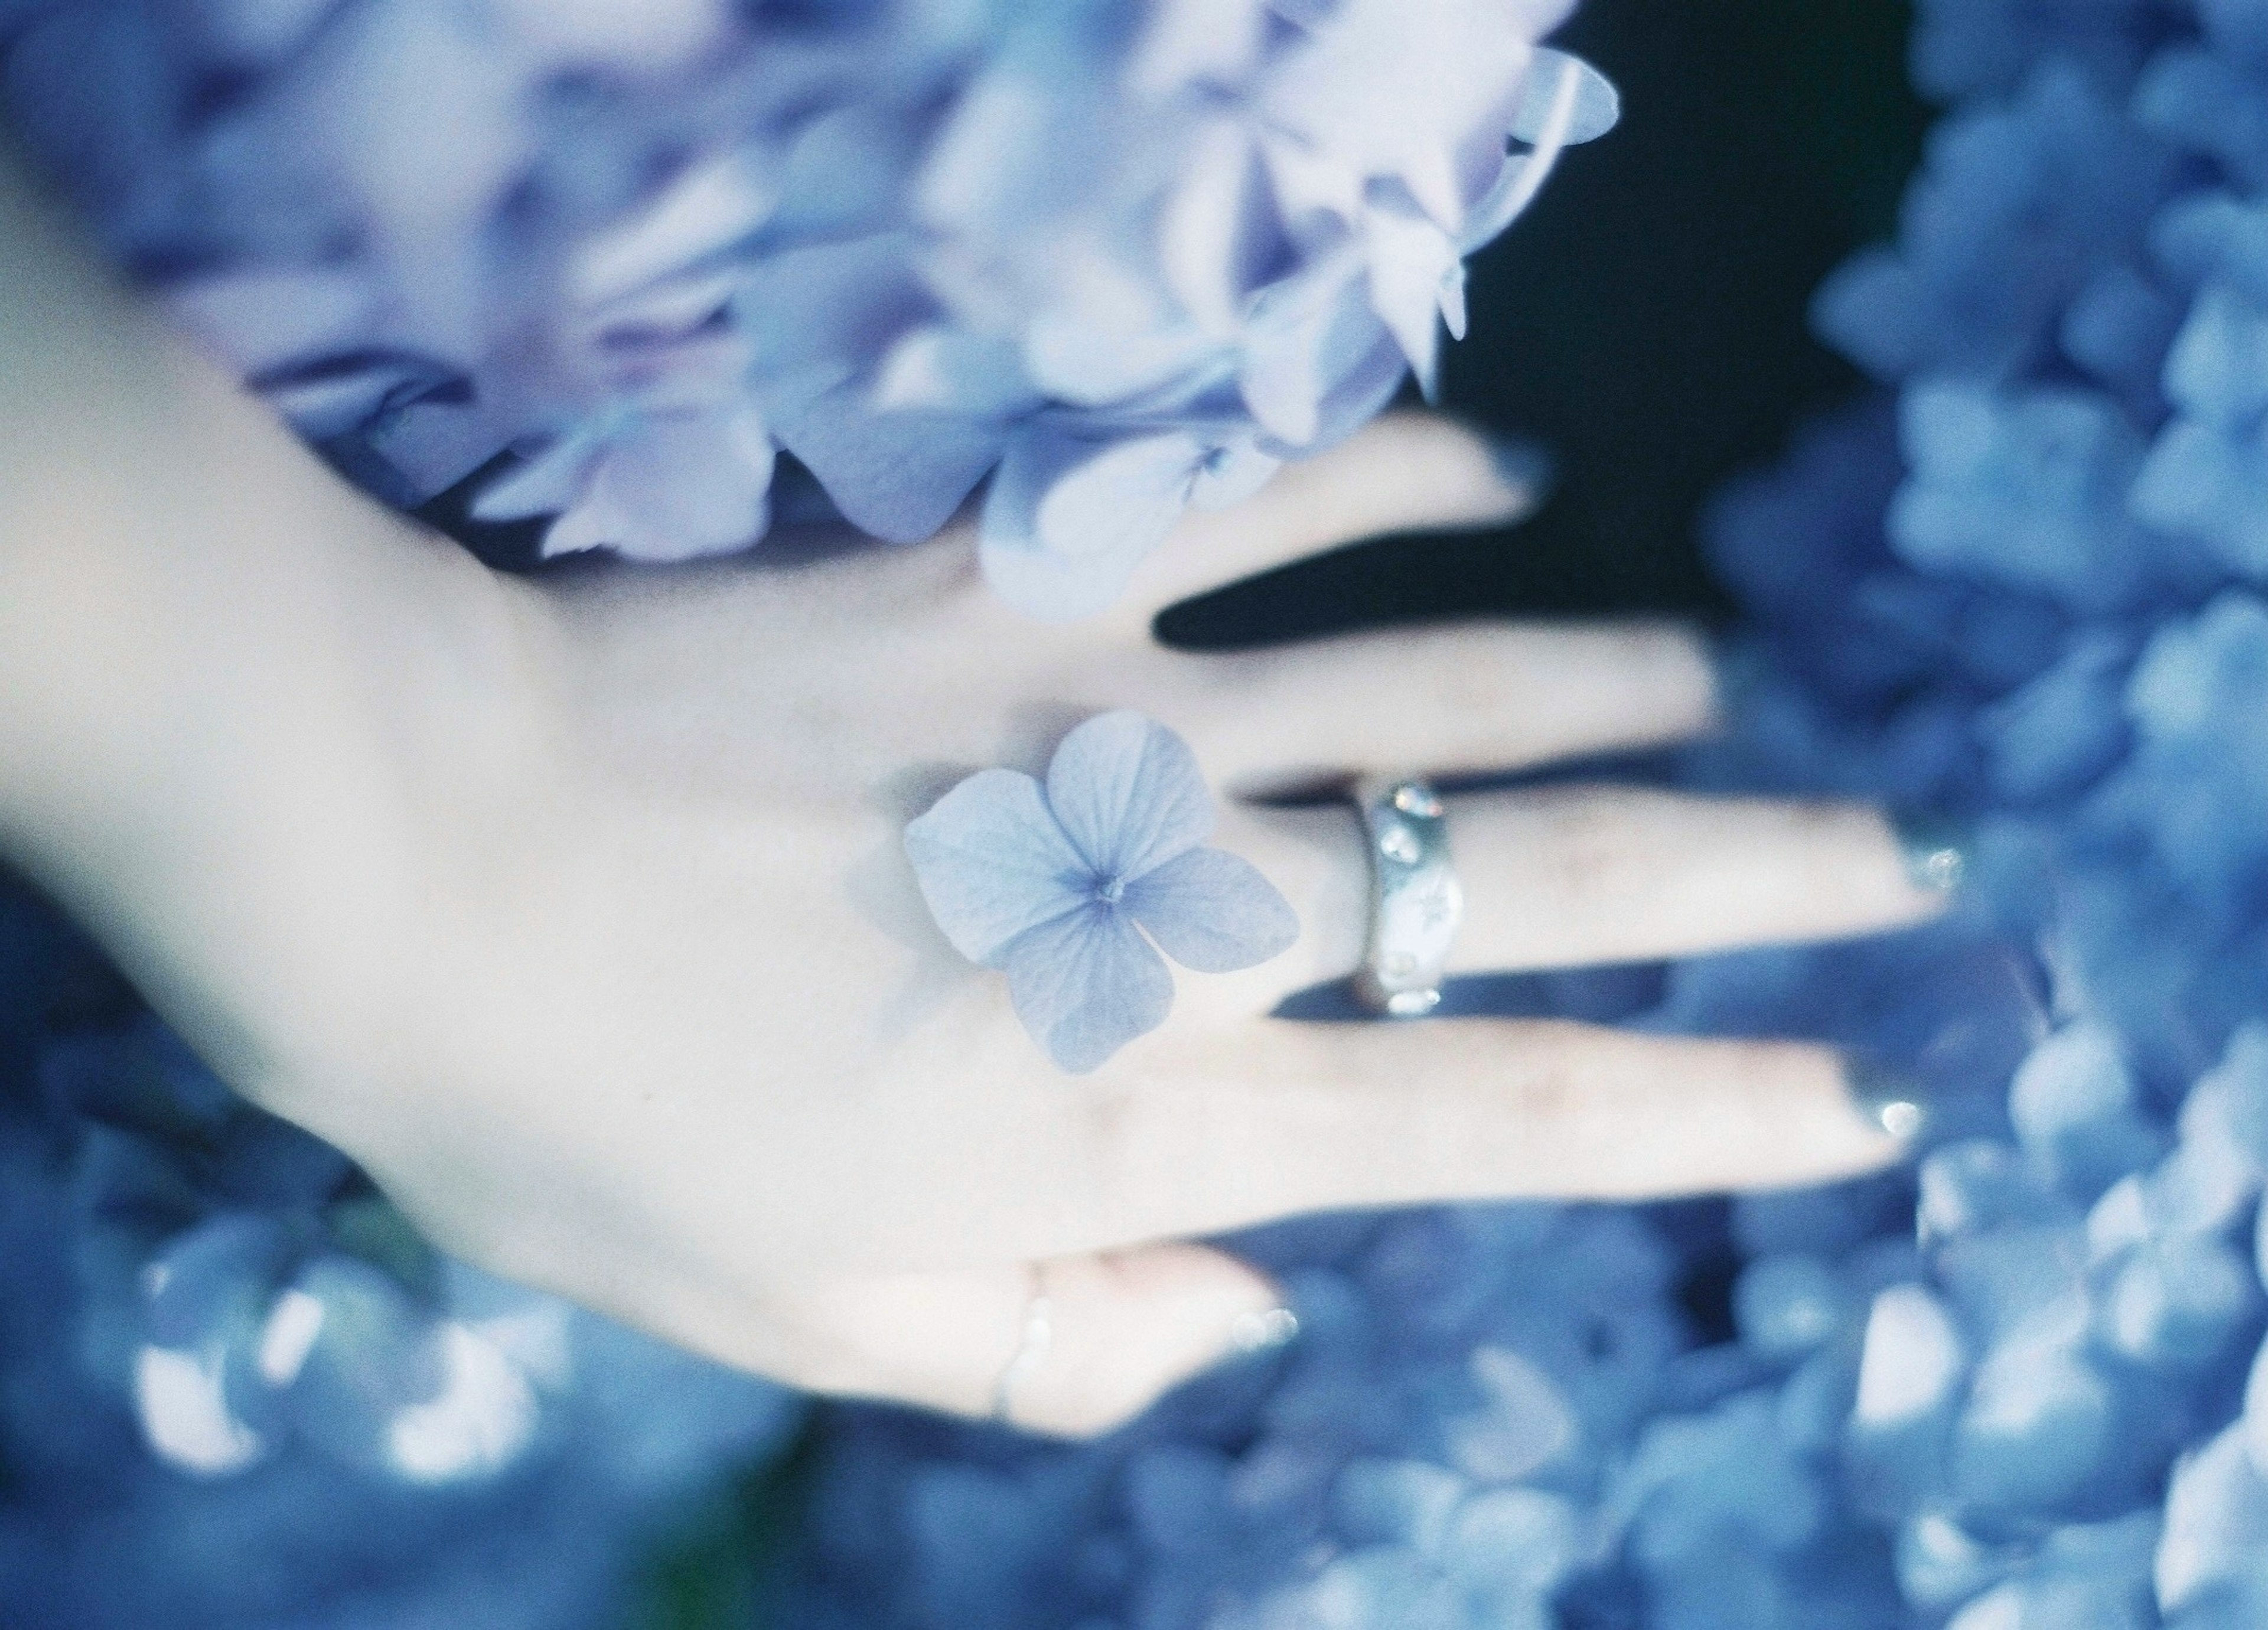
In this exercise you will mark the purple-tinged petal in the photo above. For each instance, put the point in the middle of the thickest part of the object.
(1068, 517)
(1422, 93)
(898, 475)
(1213, 226)
(1212, 911)
(264, 321)
(1086, 984)
(1193, 42)
(1356, 398)
(1128, 794)
(993, 864)
(691, 485)
(938, 368)
(704, 212)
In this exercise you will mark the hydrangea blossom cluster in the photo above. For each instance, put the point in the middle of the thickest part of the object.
(1074, 886)
(609, 262)
(2021, 1386)
(2025, 1386)
(241, 1391)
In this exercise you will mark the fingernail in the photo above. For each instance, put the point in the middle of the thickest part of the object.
(1935, 849)
(1524, 468)
(1891, 1098)
(1263, 1331)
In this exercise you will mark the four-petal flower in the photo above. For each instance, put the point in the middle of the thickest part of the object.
(1048, 883)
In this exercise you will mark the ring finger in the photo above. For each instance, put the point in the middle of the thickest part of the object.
(1567, 876)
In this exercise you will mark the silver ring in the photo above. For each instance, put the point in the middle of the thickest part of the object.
(1415, 901)
(1037, 1336)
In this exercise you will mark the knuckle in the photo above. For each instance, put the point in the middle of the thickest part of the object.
(1594, 853)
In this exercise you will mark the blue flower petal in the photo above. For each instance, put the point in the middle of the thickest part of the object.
(1069, 517)
(1213, 912)
(899, 475)
(993, 864)
(1128, 793)
(1086, 983)
(1597, 106)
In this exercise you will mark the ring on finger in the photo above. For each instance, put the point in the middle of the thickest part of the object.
(1035, 1336)
(1416, 902)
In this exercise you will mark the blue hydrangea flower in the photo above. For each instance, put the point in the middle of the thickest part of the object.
(1132, 256)
(1059, 885)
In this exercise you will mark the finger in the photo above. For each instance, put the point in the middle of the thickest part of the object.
(1562, 877)
(1232, 1126)
(1071, 1347)
(1404, 472)
(1467, 697)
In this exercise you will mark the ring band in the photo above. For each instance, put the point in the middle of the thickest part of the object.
(1032, 1344)
(1415, 901)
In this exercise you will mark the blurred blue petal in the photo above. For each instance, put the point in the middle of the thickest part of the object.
(1086, 984)
(898, 476)
(992, 863)
(1129, 794)
(1593, 106)
(1212, 911)
(669, 487)
(1069, 517)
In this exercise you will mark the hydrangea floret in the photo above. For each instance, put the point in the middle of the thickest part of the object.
(1059, 883)
(602, 272)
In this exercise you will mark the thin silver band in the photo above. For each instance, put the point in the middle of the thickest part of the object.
(1032, 1345)
(1415, 901)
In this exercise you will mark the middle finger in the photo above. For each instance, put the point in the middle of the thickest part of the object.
(1465, 696)
(1567, 876)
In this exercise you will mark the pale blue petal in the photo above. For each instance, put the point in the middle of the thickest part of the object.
(1086, 984)
(1212, 911)
(1597, 106)
(1411, 261)
(1075, 357)
(1128, 794)
(1420, 92)
(1043, 584)
(992, 863)
(1305, 338)
(896, 476)
(681, 487)
(264, 321)
(704, 210)
(938, 368)
(1117, 498)
(1059, 539)
(1352, 402)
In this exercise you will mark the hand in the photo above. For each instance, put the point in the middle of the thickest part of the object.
(579, 915)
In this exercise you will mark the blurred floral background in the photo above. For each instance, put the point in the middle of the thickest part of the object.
(1963, 440)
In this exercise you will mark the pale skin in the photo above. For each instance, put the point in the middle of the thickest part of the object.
(577, 914)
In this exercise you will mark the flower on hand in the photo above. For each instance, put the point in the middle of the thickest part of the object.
(1074, 887)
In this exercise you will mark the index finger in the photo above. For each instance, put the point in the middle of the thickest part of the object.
(1403, 472)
